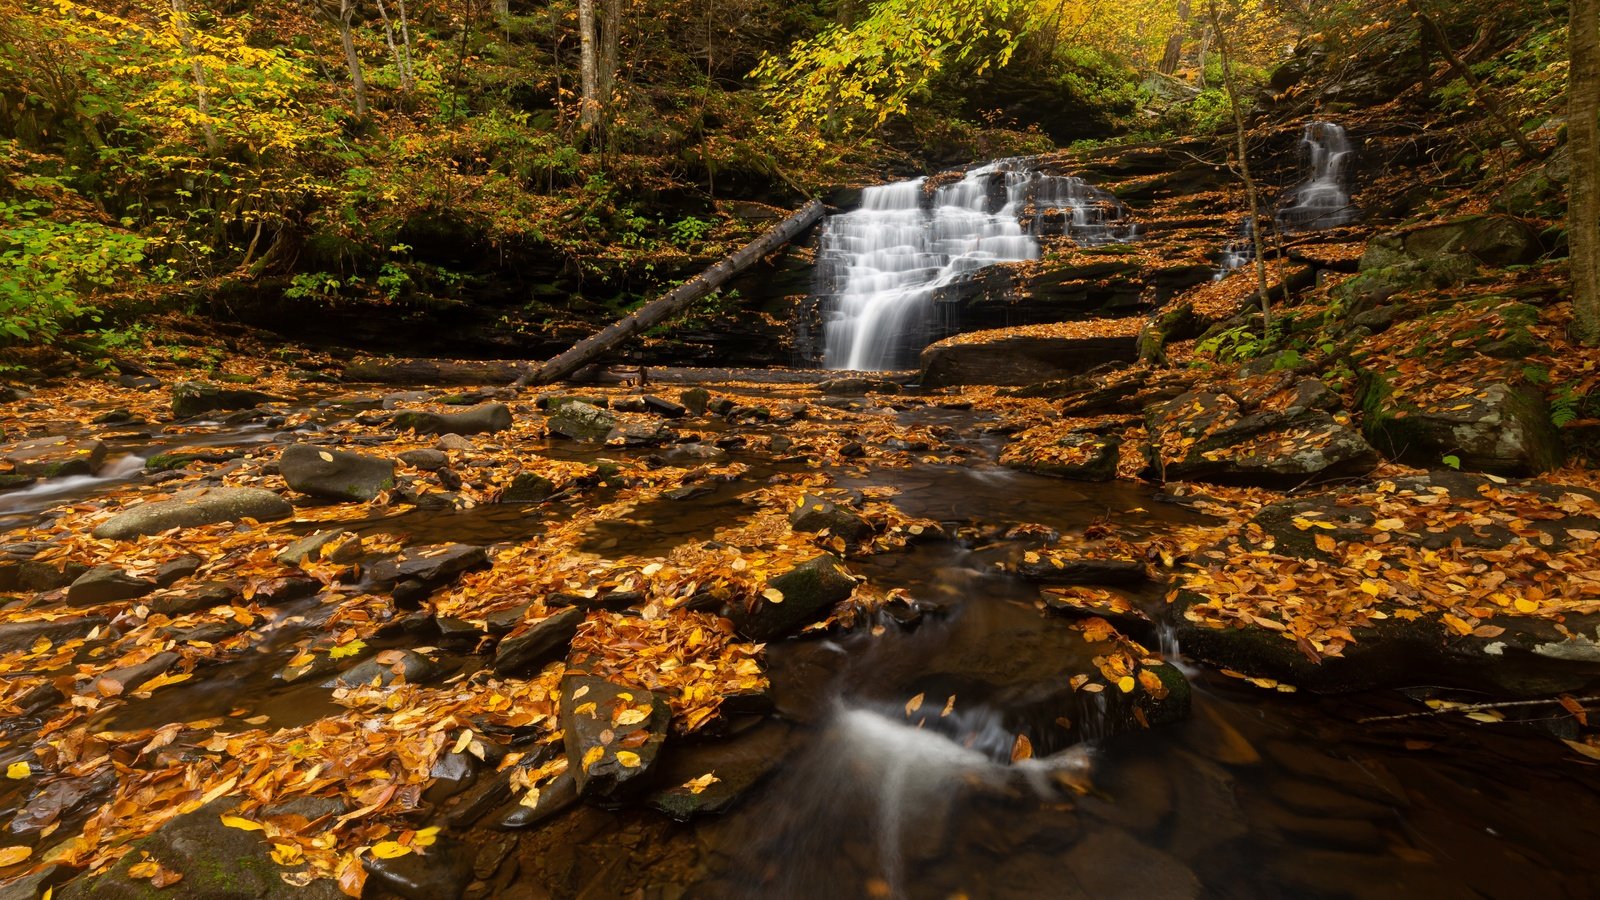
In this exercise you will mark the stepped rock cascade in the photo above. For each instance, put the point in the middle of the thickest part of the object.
(880, 267)
(1239, 252)
(1323, 201)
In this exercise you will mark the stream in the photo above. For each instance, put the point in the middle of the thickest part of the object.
(1258, 794)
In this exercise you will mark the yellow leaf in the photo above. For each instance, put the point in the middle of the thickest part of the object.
(631, 716)
(628, 759)
(389, 849)
(1126, 684)
(1524, 605)
(1372, 587)
(773, 595)
(241, 824)
(696, 785)
(10, 856)
(1588, 750)
(18, 771)
(914, 704)
(426, 837)
(287, 854)
(1457, 624)
(592, 756)
(1326, 543)
(145, 869)
(350, 649)
(585, 709)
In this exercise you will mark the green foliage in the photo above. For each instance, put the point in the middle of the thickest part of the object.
(1453, 462)
(1234, 345)
(849, 78)
(49, 268)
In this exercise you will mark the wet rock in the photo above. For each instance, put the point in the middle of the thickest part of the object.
(427, 460)
(640, 434)
(128, 678)
(1499, 427)
(195, 398)
(432, 564)
(59, 798)
(33, 885)
(107, 584)
(209, 633)
(388, 667)
(48, 575)
(613, 719)
(138, 382)
(1079, 456)
(16, 636)
(287, 589)
(663, 407)
(807, 592)
(189, 509)
(857, 386)
(392, 400)
(216, 862)
(695, 400)
(528, 487)
(814, 514)
(554, 402)
(537, 643)
(175, 570)
(310, 547)
(456, 443)
(1202, 436)
(579, 421)
(1057, 569)
(335, 474)
(1004, 358)
(487, 418)
(12, 558)
(437, 872)
(554, 797)
(737, 764)
(54, 457)
(203, 596)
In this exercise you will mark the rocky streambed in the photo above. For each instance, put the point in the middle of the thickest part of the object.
(740, 640)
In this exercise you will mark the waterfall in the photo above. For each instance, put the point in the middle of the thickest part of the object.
(1323, 201)
(880, 267)
(1239, 252)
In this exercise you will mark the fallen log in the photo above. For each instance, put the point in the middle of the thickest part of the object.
(434, 371)
(658, 311)
(420, 372)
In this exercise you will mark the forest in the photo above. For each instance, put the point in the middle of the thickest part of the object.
(463, 449)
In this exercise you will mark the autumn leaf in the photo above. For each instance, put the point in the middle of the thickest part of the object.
(628, 759)
(914, 704)
(242, 824)
(631, 716)
(697, 785)
(347, 649)
(10, 856)
(773, 595)
(1021, 748)
(18, 771)
(592, 756)
(389, 850)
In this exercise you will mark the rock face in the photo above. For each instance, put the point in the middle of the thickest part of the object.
(1499, 427)
(1077, 455)
(1018, 359)
(1438, 255)
(189, 509)
(52, 457)
(807, 592)
(195, 398)
(335, 474)
(579, 421)
(216, 862)
(538, 643)
(737, 764)
(486, 418)
(387, 667)
(1289, 437)
(815, 514)
(107, 584)
(613, 732)
(16, 636)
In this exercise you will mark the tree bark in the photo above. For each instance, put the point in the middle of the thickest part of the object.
(657, 311)
(202, 101)
(588, 72)
(1583, 143)
(1479, 92)
(1225, 50)
(400, 66)
(358, 83)
(1174, 50)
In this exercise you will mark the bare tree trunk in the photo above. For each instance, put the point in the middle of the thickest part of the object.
(394, 51)
(405, 43)
(657, 311)
(1583, 143)
(610, 49)
(202, 100)
(358, 83)
(589, 100)
(1174, 51)
(1256, 226)
(1479, 92)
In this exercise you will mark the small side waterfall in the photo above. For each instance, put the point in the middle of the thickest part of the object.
(880, 266)
(1239, 252)
(1323, 201)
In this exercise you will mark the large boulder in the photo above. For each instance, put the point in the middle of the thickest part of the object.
(814, 514)
(195, 398)
(1290, 438)
(1439, 254)
(794, 599)
(1495, 427)
(535, 643)
(613, 732)
(1015, 357)
(486, 418)
(335, 474)
(193, 508)
(216, 862)
(107, 584)
(579, 421)
(51, 457)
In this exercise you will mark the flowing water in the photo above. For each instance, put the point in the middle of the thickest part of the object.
(1324, 200)
(1239, 252)
(881, 267)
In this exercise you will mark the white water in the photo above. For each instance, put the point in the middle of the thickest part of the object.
(1239, 252)
(1324, 200)
(881, 266)
(35, 496)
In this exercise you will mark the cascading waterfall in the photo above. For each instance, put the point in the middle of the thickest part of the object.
(1239, 252)
(1323, 201)
(880, 267)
